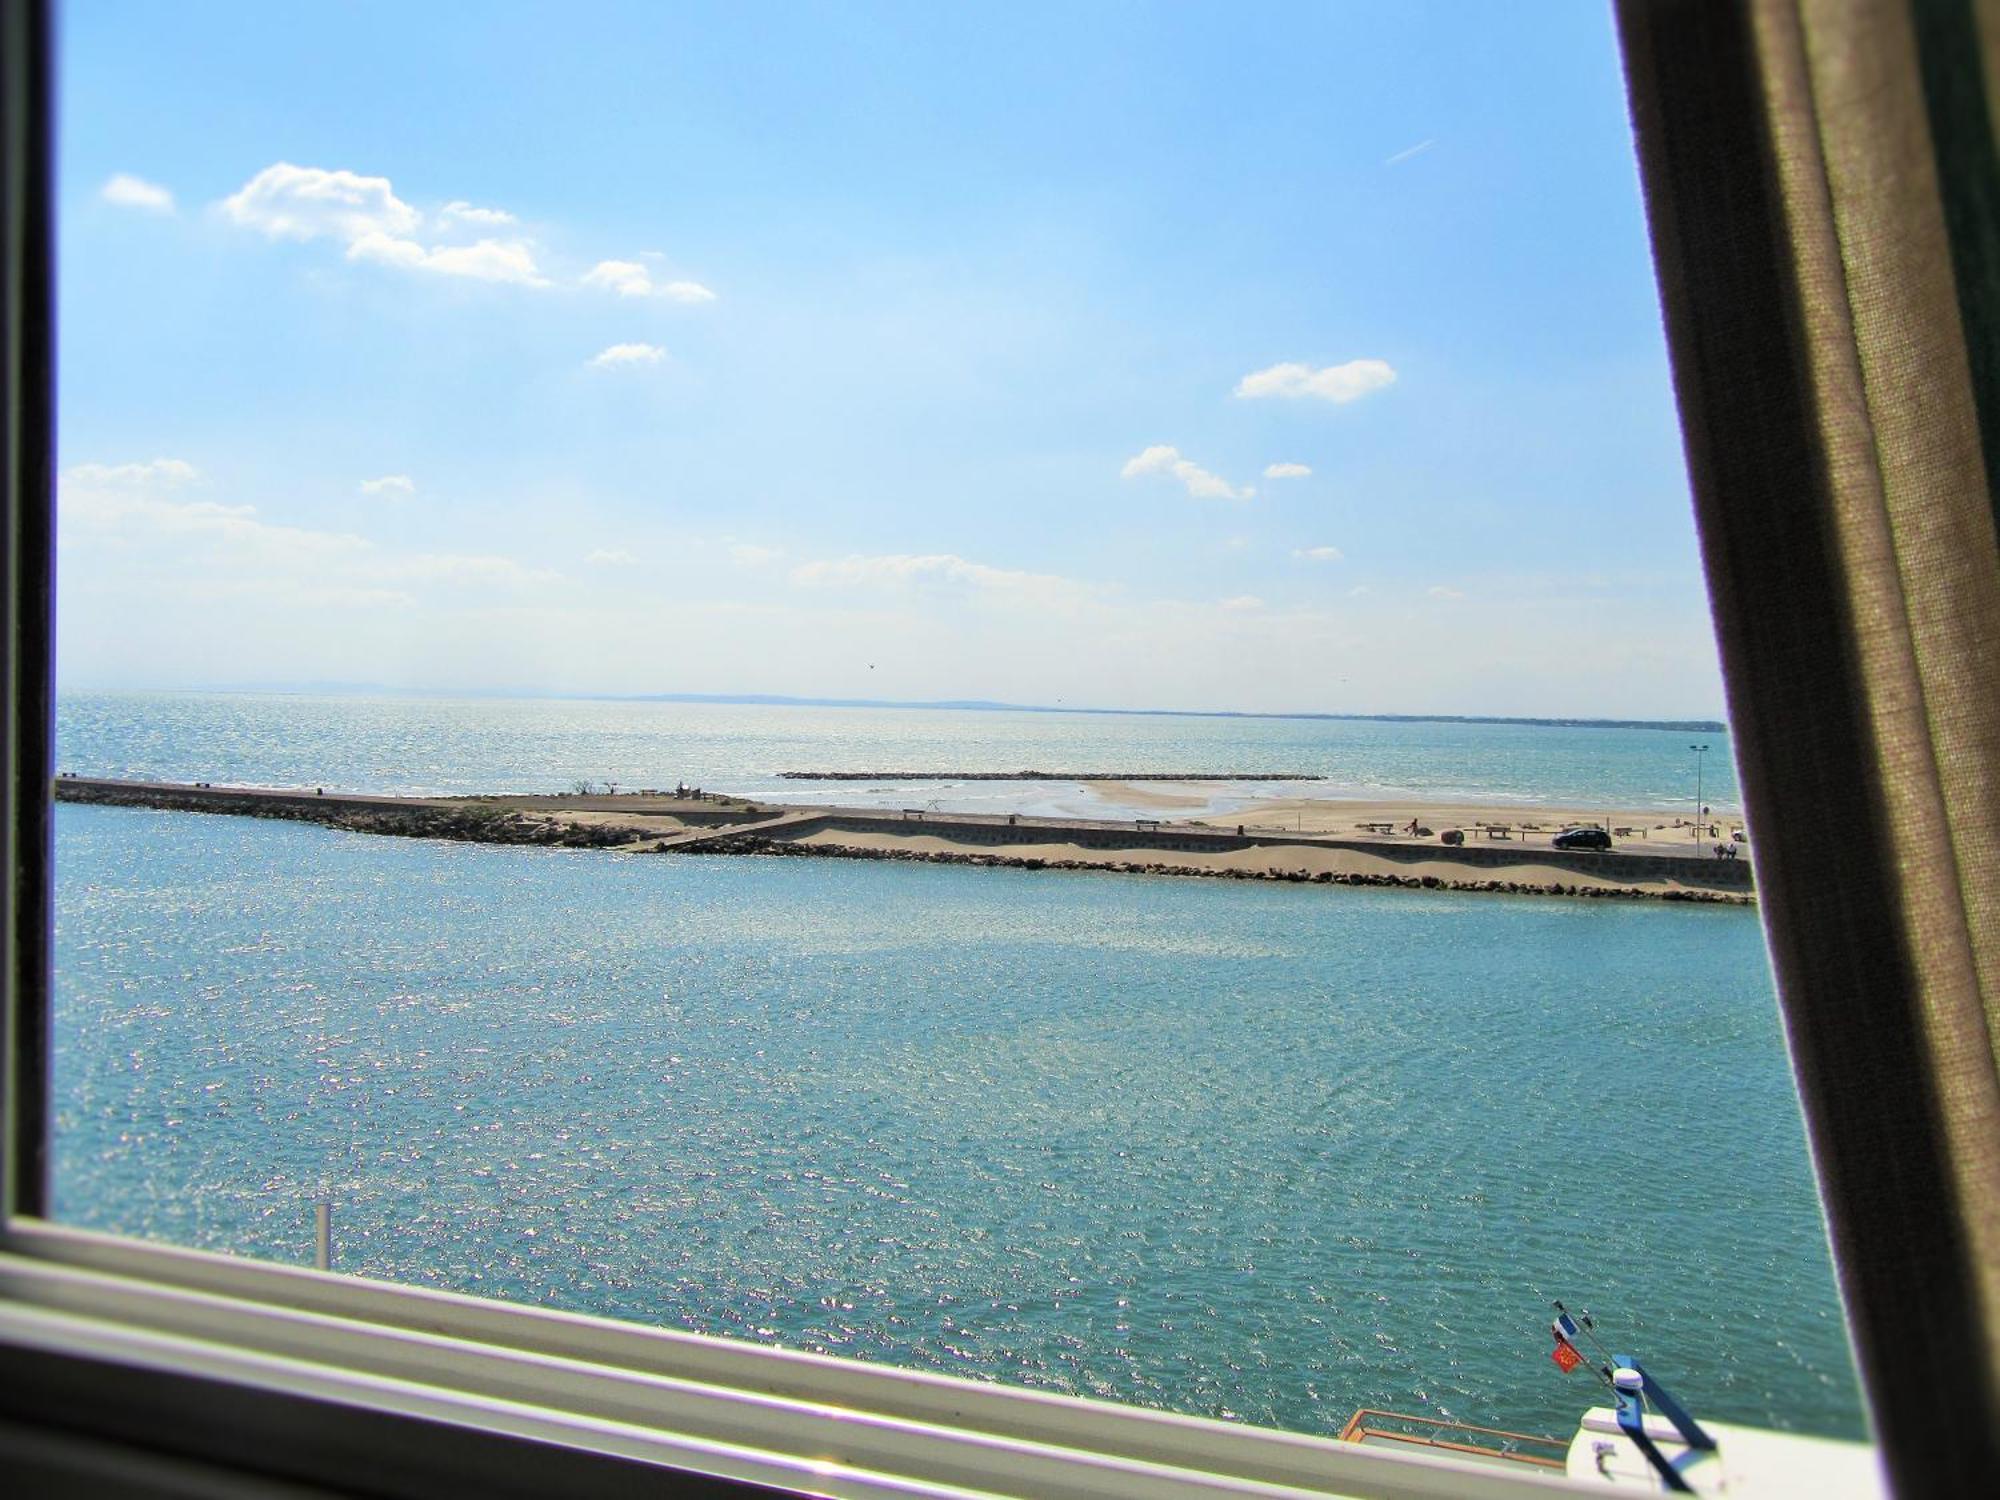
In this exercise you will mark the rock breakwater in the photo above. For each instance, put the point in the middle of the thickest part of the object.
(1047, 776)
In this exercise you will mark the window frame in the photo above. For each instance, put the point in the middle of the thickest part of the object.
(167, 1367)
(128, 1353)
(741, 1413)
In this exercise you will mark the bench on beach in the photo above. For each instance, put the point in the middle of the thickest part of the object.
(1377, 827)
(1497, 830)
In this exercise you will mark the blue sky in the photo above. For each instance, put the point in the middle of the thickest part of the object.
(904, 351)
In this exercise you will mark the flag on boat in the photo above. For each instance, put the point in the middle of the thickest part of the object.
(1565, 1355)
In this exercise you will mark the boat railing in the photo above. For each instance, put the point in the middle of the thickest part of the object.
(1385, 1428)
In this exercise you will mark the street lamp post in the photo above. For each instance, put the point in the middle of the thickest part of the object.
(1699, 752)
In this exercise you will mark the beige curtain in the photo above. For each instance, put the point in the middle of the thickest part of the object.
(1820, 179)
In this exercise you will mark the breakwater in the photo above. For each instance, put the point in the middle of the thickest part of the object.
(659, 824)
(407, 817)
(1047, 776)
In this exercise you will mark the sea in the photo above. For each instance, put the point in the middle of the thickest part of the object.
(420, 746)
(1256, 1151)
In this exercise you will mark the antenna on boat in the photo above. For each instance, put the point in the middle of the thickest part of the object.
(1632, 1388)
(1569, 1326)
(1566, 1354)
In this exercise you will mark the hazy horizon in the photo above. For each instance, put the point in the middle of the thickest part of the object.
(378, 689)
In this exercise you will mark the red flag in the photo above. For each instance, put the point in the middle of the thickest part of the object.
(1565, 1355)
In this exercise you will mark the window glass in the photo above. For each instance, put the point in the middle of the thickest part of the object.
(941, 685)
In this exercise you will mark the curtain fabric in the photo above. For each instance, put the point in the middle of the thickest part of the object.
(1819, 177)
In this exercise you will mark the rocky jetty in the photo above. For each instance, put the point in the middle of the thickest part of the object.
(553, 822)
(1047, 776)
(467, 823)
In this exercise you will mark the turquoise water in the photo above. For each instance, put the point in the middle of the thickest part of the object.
(1261, 1151)
(488, 745)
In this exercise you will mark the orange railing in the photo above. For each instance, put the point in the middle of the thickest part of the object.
(1381, 1427)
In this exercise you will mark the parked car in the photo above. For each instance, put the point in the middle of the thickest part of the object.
(1582, 838)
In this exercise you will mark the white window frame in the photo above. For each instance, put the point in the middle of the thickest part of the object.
(578, 1388)
(686, 1402)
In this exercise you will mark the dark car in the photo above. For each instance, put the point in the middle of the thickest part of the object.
(1582, 838)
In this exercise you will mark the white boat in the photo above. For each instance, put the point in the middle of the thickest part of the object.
(1745, 1461)
(1645, 1441)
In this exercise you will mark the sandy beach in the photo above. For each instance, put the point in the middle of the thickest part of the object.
(1500, 828)
(1651, 831)
(1286, 861)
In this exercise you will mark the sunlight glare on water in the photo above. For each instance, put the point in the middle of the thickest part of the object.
(1256, 1150)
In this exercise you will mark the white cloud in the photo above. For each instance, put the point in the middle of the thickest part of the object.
(626, 277)
(1441, 591)
(610, 557)
(751, 556)
(125, 498)
(1162, 459)
(303, 203)
(1319, 554)
(1336, 383)
(630, 278)
(1286, 471)
(306, 203)
(461, 212)
(124, 506)
(389, 251)
(128, 191)
(1242, 603)
(903, 570)
(488, 260)
(364, 214)
(1409, 151)
(1236, 543)
(630, 354)
(159, 471)
(389, 484)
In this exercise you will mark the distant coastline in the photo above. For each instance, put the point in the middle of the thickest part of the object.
(964, 705)
(981, 705)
